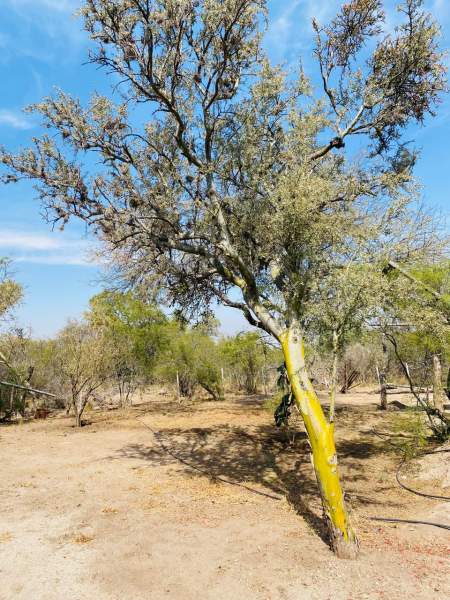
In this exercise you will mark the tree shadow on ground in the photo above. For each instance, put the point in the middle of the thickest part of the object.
(262, 459)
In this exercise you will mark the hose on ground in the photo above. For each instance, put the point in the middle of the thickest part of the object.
(411, 521)
(413, 491)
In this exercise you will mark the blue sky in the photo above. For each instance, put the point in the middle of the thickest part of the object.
(42, 48)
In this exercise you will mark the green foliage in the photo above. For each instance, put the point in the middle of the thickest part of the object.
(425, 316)
(193, 356)
(10, 291)
(82, 356)
(135, 331)
(130, 322)
(413, 433)
(245, 355)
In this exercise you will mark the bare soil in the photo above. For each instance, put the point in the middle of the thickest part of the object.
(209, 500)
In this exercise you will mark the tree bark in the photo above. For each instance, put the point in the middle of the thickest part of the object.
(383, 391)
(438, 392)
(342, 538)
(79, 405)
(383, 379)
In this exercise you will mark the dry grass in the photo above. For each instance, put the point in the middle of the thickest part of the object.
(109, 510)
(82, 538)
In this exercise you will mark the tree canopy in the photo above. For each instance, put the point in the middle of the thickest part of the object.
(10, 290)
(242, 178)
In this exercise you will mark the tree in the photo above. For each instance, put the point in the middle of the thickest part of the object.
(415, 321)
(135, 330)
(16, 369)
(10, 295)
(245, 185)
(10, 291)
(84, 360)
(246, 355)
(191, 357)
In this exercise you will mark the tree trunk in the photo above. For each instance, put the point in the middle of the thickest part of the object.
(79, 407)
(438, 392)
(383, 391)
(383, 379)
(342, 538)
(11, 400)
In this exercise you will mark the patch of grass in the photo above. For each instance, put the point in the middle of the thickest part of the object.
(109, 510)
(149, 505)
(82, 538)
(273, 402)
(413, 432)
(6, 536)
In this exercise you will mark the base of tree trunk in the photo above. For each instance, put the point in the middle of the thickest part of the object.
(346, 549)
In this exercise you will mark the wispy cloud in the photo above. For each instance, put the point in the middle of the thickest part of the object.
(29, 241)
(66, 260)
(290, 29)
(29, 247)
(52, 20)
(56, 5)
(290, 32)
(14, 119)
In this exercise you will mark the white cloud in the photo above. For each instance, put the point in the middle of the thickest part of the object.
(56, 5)
(290, 30)
(51, 19)
(29, 247)
(30, 241)
(58, 260)
(14, 119)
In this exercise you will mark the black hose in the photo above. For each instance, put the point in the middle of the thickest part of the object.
(441, 525)
(403, 461)
(413, 491)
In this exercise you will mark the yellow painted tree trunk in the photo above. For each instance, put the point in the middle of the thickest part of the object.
(342, 538)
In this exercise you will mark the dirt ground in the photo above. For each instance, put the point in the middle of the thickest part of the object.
(211, 501)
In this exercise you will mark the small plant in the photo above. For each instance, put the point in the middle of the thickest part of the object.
(412, 431)
(285, 398)
(81, 538)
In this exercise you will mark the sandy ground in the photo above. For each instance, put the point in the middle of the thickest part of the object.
(135, 506)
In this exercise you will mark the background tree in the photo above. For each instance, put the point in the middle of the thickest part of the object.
(191, 359)
(135, 331)
(353, 296)
(83, 356)
(10, 295)
(10, 291)
(247, 357)
(416, 322)
(244, 186)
